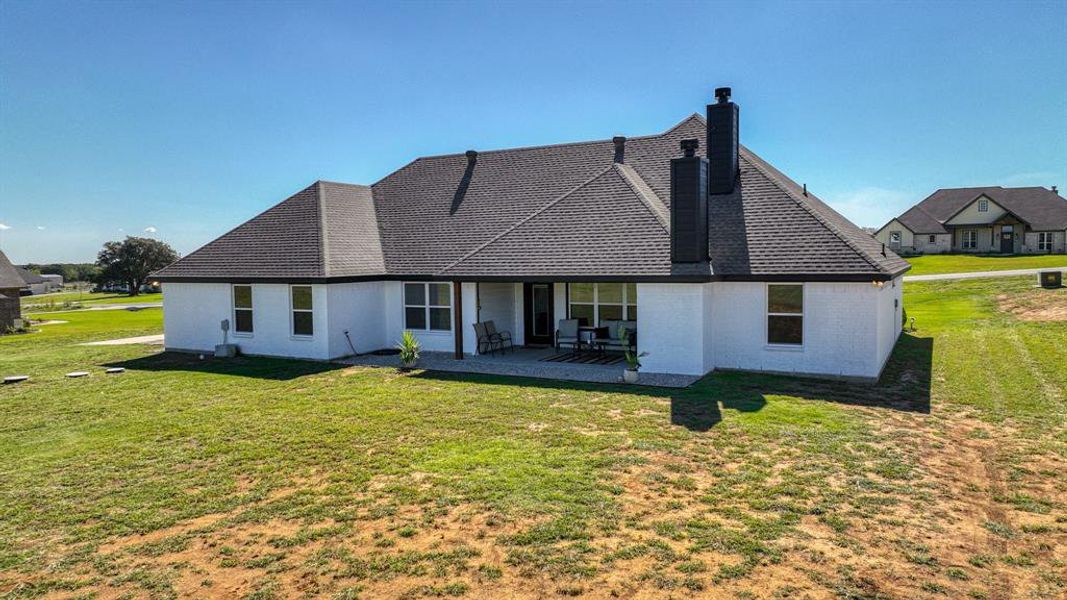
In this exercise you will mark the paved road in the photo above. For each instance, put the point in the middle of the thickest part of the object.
(29, 309)
(976, 274)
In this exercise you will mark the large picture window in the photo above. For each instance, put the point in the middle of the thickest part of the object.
(428, 306)
(785, 314)
(303, 320)
(1044, 241)
(596, 302)
(242, 309)
(970, 239)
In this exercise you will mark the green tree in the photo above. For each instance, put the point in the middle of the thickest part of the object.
(132, 260)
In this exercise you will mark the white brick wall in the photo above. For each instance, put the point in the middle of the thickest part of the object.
(671, 327)
(849, 328)
(192, 313)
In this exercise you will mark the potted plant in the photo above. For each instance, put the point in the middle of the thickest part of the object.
(633, 363)
(409, 349)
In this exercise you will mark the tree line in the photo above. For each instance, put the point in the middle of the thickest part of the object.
(128, 262)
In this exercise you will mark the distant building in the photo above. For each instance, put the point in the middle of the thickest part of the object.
(991, 220)
(10, 305)
(35, 284)
(55, 282)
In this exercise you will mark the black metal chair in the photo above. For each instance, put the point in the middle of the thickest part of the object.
(503, 338)
(485, 341)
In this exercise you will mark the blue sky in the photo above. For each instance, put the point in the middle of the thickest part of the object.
(188, 118)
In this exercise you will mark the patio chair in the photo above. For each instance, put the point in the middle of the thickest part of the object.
(502, 338)
(567, 333)
(485, 341)
(612, 341)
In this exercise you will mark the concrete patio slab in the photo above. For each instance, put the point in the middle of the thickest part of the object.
(525, 362)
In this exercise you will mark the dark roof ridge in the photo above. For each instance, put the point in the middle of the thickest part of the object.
(646, 194)
(783, 183)
(355, 185)
(242, 224)
(324, 253)
(515, 225)
(560, 144)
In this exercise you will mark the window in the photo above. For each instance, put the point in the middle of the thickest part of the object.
(983, 206)
(596, 302)
(785, 314)
(1044, 241)
(970, 239)
(933, 239)
(303, 322)
(894, 237)
(428, 306)
(242, 309)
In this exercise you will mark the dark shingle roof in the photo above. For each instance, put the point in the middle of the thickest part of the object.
(568, 210)
(10, 278)
(29, 276)
(326, 230)
(1043, 209)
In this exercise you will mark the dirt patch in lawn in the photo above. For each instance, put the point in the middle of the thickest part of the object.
(1035, 305)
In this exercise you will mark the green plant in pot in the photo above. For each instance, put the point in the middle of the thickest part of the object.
(409, 349)
(633, 363)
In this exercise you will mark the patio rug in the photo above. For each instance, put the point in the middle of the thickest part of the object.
(585, 358)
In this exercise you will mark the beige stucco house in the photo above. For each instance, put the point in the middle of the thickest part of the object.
(1030, 220)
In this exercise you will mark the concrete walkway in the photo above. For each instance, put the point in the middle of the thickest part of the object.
(977, 274)
(155, 340)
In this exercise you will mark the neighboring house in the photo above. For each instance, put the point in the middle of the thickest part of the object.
(11, 284)
(55, 282)
(722, 263)
(1030, 220)
(35, 284)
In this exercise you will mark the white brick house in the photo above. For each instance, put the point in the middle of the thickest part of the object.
(718, 260)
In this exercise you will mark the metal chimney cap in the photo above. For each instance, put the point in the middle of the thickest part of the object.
(472, 155)
(619, 139)
(723, 94)
(689, 147)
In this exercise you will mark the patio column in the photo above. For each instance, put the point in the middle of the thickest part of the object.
(457, 312)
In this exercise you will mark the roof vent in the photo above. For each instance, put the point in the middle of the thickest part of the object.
(472, 156)
(690, 147)
(1054, 190)
(620, 148)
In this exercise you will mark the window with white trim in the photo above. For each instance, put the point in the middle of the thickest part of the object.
(1044, 241)
(428, 306)
(933, 239)
(785, 314)
(894, 237)
(303, 314)
(983, 206)
(242, 309)
(596, 302)
(970, 239)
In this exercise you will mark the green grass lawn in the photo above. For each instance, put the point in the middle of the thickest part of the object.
(270, 478)
(932, 264)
